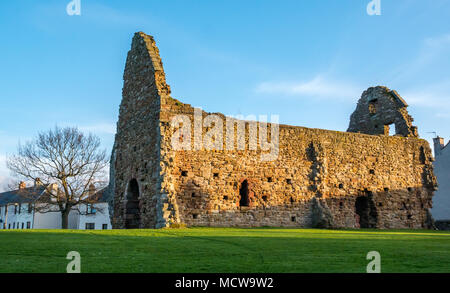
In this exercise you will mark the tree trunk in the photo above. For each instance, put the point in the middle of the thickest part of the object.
(65, 219)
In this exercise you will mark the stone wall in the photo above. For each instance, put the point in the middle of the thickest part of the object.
(137, 188)
(393, 173)
(320, 178)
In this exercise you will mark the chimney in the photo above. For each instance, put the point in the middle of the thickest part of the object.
(91, 189)
(37, 182)
(22, 185)
(438, 145)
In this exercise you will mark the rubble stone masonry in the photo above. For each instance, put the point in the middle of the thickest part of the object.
(320, 178)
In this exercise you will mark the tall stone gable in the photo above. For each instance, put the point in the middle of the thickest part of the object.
(321, 178)
(139, 199)
(378, 110)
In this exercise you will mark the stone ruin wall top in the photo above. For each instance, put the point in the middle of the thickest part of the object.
(319, 164)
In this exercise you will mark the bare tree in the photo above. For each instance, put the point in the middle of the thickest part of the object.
(67, 163)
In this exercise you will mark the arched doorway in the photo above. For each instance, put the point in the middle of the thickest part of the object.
(132, 213)
(243, 192)
(366, 211)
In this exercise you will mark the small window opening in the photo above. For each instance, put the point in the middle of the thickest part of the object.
(193, 194)
(386, 189)
(244, 192)
(422, 156)
(216, 175)
(372, 171)
(341, 186)
(373, 107)
(184, 173)
(194, 216)
(269, 179)
(289, 181)
(293, 218)
(264, 198)
(391, 130)
(225, 197)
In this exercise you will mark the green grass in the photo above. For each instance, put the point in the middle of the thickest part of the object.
(225, 250)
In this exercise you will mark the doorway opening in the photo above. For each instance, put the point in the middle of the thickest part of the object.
(132, 213)
(366, 210)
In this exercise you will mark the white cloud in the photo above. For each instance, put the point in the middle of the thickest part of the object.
(318, 87)
(443, 115)
(4, 174)
(105, 14)
(438, 42)
(107, 128)
(431, 58)
(435, 96)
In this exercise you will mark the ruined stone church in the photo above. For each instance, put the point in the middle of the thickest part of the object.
(362, 178)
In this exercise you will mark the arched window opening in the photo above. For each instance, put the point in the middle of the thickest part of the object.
(132, 213)
(243, 191)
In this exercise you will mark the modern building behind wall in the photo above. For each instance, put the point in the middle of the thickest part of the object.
(441, 200)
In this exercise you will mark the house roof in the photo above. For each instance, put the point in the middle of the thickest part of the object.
(102, 195)
(30, 194)
(21, 195)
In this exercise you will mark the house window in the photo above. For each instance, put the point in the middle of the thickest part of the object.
(28, 225)
(30, 208)
(90, 209)
(15, 209)
(9, 226)
(90, 226)
(14, 225)
(105, 226)
(20, 207)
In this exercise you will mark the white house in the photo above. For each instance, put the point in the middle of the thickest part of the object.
(17, 212)
(441, 199)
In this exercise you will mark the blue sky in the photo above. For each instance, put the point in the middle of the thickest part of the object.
(306, 61)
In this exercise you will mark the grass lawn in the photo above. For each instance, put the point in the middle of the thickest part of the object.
(225, 250)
